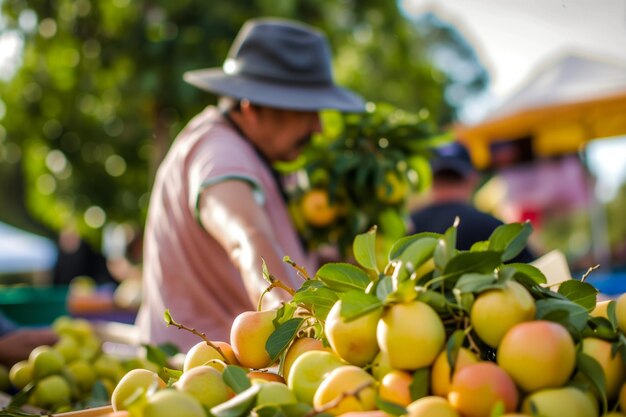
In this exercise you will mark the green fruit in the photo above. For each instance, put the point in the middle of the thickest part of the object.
(82, 373)
(206, 384)
(275, 393)
(309, 370)
(107, 366)
(46, 362)
(171, 402)
(21, 374)
(51, 391)
(68, 347)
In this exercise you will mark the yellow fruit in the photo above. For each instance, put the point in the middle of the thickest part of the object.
(248, 336)
(622, 397)
(342, 380)
(136, 383)
(537, 354)
(395, 387)
(353, 341)
(411, 335)
(202, 354)
(171, 402)
(309, 370)
(206, 384)
(478, 388)
(394, 189)
(21, 373)
(601, 309)
(265, 376)
(560, 402)
(495, 311)
(440, 377)
(431, 406)
(612, 366)
(298, 347)
(317, 209)
(381, 366)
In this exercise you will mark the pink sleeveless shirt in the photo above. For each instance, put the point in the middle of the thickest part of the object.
(185, 269)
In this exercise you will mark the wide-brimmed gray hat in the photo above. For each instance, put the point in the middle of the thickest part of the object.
(278, 63)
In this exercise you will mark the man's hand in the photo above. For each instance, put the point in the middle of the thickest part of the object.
(17, 345)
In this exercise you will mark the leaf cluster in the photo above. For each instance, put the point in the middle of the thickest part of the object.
(429, 268)
(369, 164)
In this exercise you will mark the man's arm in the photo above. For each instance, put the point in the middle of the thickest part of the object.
(230, 213)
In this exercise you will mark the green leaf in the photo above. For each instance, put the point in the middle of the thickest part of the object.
(236, 378)
(474, 262)
(476, 282)
(285, 410)
(343, 277)
(384, 288)
(571, 315)
(156, 355)
(355, 304)
(592, 371)
(581, 293)
(316, 296)
(281, 337)
(510, 239)
(364, 248)
(601, 328)
(389, 407)
(415, 254)
(446, 247)
(402, 244)
(611, 314)
(436, 300)
(420, 385)
(526, 272)
(239, 405)
(454, 344)
(23, 395)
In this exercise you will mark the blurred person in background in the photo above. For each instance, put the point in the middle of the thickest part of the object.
(454, 182)
(17, 343)
(217, 207)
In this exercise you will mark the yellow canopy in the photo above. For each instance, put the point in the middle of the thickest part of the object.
(560, 108)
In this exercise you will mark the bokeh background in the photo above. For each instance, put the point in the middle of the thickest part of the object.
(91, 96)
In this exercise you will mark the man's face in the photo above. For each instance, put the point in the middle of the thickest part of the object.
(284, 133)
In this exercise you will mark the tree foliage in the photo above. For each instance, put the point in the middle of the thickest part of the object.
(99, 95)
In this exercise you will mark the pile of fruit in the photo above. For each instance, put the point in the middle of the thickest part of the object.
(359, 172)
(438, 332)
(72, 374)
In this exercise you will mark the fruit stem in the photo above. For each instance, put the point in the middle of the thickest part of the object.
(302, 273)
(170, 322)
(589, 271)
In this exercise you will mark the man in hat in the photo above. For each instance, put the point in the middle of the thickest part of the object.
(454, 181)
(217, 209)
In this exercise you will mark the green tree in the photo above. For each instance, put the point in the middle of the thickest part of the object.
(98, 96)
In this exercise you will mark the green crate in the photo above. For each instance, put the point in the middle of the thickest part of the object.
(34, 306)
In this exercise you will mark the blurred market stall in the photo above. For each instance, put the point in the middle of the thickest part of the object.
(539, 143)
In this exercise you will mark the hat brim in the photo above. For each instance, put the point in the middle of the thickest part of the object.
(278, 95)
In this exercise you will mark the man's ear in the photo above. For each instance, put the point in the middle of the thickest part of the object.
(249, 112)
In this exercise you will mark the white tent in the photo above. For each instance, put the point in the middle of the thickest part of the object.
(24, 252)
